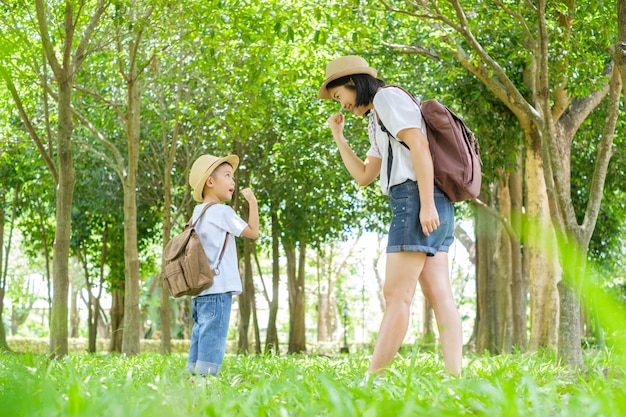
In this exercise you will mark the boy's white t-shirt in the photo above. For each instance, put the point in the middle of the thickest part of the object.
(218, 220)
(397, 111)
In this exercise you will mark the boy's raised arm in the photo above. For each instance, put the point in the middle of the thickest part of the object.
(252, 230)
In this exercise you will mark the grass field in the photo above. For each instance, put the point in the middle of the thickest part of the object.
(153, 385)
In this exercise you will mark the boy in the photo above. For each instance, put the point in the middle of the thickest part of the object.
(213, 182)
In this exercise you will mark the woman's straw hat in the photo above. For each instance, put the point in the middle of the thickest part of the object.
(340, 67)
(202, 169)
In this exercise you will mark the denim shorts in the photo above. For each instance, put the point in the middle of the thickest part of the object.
(405, 232)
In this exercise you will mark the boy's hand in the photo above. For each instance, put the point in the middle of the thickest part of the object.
(248, 195)
(252, 230)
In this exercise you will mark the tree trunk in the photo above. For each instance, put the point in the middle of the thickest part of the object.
(503, 267)
(255, 324)
(518, 284)
(379, 278)
(328, 311)
(132, 317)
(3, 274)
(65, 196)
(246, 300)
(543, 270)
(74, 317)
(486, 295)
(573, 259)
(323, 295)
(271, 342)
(295, 276)
(94, 315)
(117, 321)
(3, 335)
(428, 333)
(569, 349)
(165, 309)
(165, 314)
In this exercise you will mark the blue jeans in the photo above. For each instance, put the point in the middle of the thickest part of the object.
(211, 315)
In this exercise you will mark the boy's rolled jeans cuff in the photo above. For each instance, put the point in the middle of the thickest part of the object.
(203, 368)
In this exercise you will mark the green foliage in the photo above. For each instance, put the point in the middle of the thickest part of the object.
(151, 384)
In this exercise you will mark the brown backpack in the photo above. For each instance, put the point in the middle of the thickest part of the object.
(454, 149)
(187, 270)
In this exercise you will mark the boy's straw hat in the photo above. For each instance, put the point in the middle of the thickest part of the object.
(203, 167)
(340, 67)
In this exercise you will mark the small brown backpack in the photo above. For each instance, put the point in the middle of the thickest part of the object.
(186, 267)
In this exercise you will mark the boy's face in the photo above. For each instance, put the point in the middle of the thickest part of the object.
(221, 183)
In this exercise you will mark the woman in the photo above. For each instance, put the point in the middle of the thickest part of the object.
(422, 224)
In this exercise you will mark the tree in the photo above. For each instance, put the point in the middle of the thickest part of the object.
(133, 54)
(75, 35)
(549, 115)
(6, 202)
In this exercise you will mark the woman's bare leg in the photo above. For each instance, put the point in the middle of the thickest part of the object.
(401, 276)
(435, 283)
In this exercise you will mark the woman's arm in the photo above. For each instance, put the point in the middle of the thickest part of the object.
(363, 171)
(423, 165)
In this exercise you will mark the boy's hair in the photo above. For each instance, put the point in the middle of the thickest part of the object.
(219, 166)
(365, 86)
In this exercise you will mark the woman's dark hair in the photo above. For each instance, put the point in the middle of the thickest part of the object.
(365, 86)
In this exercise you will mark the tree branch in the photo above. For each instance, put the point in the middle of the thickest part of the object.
(558, 197)
(28, 125)
(412, 50)
(79, 54)
(45, 38)
(118, 162)
(114, 106)
(505, 221)
(500, 84)
(605, 151)
(561, 96)
(577, 113)
(518, 17)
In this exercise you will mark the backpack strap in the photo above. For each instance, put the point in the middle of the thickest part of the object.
(390, 136)
(382, 126)
(189, 223)
(219, 261)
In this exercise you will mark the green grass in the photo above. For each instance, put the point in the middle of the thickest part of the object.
(153, 385)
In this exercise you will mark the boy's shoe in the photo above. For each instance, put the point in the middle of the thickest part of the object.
(198, 380)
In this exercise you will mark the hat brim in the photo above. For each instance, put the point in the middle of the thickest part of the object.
(233, 160)
(325, 95)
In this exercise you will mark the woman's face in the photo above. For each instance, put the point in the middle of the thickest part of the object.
(346, 96)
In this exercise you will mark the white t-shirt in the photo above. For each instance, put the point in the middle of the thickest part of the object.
(218, 220)
(397, 111)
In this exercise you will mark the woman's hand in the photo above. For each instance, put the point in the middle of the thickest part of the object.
(336, 123)
(429, 218)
